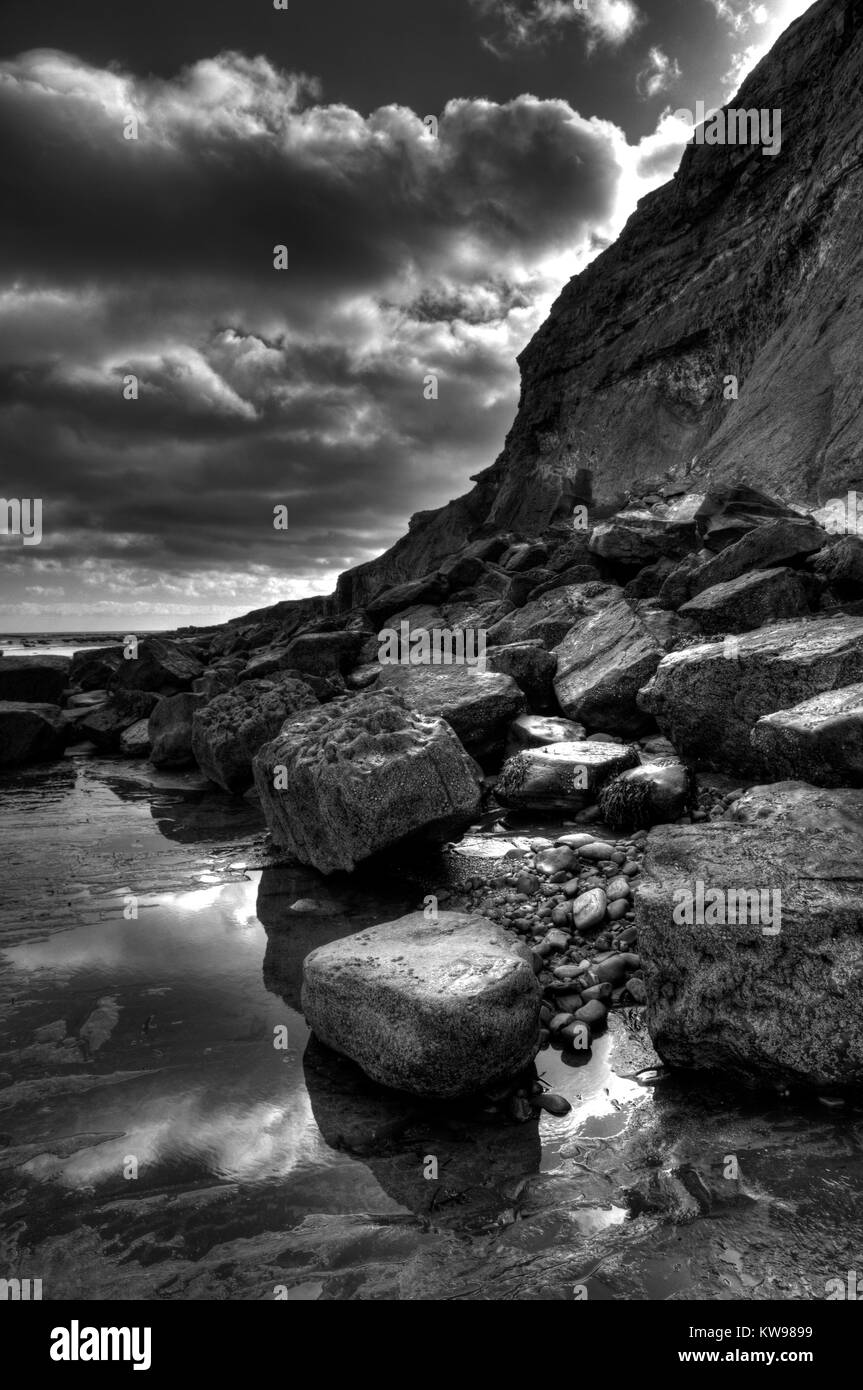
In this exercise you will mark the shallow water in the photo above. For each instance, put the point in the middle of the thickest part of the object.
(155, 1143)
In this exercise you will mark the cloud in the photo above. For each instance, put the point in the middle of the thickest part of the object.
(153, 258)
(762, 21)
(659, 73)
(519, 24)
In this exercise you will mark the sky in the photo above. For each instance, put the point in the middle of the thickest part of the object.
(436, 174)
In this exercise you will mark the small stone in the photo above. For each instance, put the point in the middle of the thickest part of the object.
(593, 1014)
(617, 909)
(588, 910)
(630, 868)
(602, 992)
(552, 861)
(576, 841)
(560, 1021)
(561, 915)
(618, 887)
(596, 850)
(554, 1104)
(527, 884)
(613, 970)
(636, 990)
(568, 1003)
(628, 935)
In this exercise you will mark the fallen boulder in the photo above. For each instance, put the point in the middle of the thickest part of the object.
(170, 729)
(651, 794)
(30, 732)
(34, 680)
(230, 730)
(561, 776)
(819, 740)
(160, 665)
(344, 781)
(437, 1009)
(532, 668)
(601, 664)
(535, 730)
(752, 949)
(739, 605)
(766, 546)
(708, 698)
(478, 705)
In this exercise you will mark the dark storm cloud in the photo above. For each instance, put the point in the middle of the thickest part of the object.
(153, 258)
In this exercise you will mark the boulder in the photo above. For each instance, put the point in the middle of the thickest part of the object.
(708, 698)
(135, 741)
(535, 730)
(752, 950)
(106, 724)
(325, 654)
(359, 775)
(524, 555)
(601, 664)
(160, 665)
(33, 680)
(560, 776)
(170, 729)
(93, 668)
(30, 732)
(431, 588)
(478, 705)
(532, 668)
(739, 605)
(819, 740)
(841, 564)
(437, 1009)
(549, 618)
(229, 731)
(637, 537)
(764, 547)
(651, 794)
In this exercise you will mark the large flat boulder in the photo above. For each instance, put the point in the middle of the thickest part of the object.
(478, 705)
(708, 698)
(230, 730)
(819, 740)
(438, 1009)
(766, 546)
(750, 601)
(751, 940)
(536, 730)
(38, 680)
(602, 663)
(561, 776)
(344, 781)
(160, 665)
(547, 619)
(30, 732)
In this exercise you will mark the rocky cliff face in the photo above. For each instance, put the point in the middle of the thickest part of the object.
(745, 265)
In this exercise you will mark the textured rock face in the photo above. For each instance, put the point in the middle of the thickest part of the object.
(748, 602)
(478, 705)
(739, 265)
(359, 775)
(601, 665)
(766, 547)
(36, 680)
(819, 740)
(160, 665)
(707, 699)
(170, 729)
(560, 776)
(780, 1005)
(438, 1009)
(30, 733)
(229, 731)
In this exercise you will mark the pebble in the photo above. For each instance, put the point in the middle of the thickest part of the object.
(636, 990)
(597, 849)
(576, 841)
(630, 867)
(560, 1021)
(555, 1104)
(568, 1003)
(628, 935)
(588, 910)
(552, 861)
(617, 909)
(561, 915)
(527, 884)
(555, 939)
(593, 1013)
(618, 887)
(601, 992)
(613, 970)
